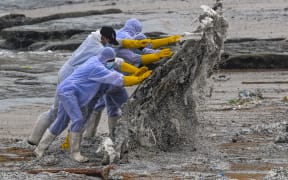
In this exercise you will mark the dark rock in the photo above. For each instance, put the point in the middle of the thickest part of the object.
(155, 34)
(13, 20)
(73, 15)
(254, 53)
(21, 37)
(70, 44)
(256, 61)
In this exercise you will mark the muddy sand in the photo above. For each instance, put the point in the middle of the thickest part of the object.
(239, 139)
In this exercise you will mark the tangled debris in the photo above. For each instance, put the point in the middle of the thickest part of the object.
(162, 112)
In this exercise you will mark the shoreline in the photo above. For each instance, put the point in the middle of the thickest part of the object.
(265, 19)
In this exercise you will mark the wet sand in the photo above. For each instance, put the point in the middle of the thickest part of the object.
(255, 26)
(247, 19)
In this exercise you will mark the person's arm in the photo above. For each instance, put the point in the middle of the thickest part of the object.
(129, 56)
(149, 51)
(102, 75)
(150, 58)
(157, 43)
(132, 43)
(134, 58)
(132, 70)
(134, 80)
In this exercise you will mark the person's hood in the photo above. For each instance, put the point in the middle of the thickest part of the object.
(106, 54)
(140, 36)
(132, 27)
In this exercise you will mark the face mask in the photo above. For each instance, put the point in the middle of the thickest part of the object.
(108, 44)
(109, 65)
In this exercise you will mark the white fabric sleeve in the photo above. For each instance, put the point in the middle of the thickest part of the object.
(118, 63)
(103, 75)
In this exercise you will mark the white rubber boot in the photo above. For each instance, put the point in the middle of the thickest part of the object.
(112, 122)
(45, 142)
(75, 140)
(92, 124)
(42, 123)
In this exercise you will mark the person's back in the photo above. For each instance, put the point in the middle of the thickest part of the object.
(86, 80)
(91, 46)
(131, 28)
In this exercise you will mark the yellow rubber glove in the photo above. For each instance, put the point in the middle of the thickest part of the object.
(157, 43)
(133, 80)
(150, 58)
(140, 71)
(131, 43)
(128, 68)
(66, 144)
(145, 75)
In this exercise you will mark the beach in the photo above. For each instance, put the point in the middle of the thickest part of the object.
(240, 138)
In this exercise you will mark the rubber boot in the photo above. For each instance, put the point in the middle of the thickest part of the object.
(112, 122)
(45, 142)
(92, 124)
(75, 140)
(42, 123)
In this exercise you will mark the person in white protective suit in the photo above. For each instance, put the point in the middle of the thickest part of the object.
(148, 54)
(89, 81)
(91, 46)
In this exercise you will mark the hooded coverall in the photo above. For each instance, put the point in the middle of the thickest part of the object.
(91, 79)
(91, 46)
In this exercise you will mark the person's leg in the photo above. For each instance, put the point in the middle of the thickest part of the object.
(55, 129)
(94, 118)
(44, 120)
(44, 143)
(73, 109)
(114, 101)
(95, 108)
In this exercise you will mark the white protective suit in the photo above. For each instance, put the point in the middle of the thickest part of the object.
(91, 79)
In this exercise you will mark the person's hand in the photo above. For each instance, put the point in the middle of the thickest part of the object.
(150, 58)
(157, 43)
(145, 75)
(173, 39)
(165, 53)
(133, 80)
(141, 71)
(144, 42)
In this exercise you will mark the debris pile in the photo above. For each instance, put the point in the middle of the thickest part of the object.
(162, 112)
